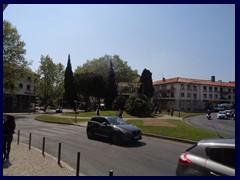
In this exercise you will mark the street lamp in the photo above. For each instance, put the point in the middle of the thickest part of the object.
(75, 101)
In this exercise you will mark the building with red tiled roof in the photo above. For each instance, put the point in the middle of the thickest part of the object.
(194, 95)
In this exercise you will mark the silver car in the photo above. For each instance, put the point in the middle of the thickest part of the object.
(211, 157)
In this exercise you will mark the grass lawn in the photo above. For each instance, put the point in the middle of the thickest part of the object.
(52, 119)
(172, 128)
(102, 113)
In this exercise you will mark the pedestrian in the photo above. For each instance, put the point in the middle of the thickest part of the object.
(98, 111)
(8, 131)
(172, 111)
(120, 112)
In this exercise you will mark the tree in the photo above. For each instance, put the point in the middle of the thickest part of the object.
(123, 72)
(69, 84)
(146, 84)
(111, 91)
(14, 63)
(139, 106)
(50, 85)
(90, 85)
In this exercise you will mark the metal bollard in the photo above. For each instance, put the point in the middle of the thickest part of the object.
(30, 139)
(78, 164)
(59, 153)
(111, 173)
(43, 146)
(18, 137)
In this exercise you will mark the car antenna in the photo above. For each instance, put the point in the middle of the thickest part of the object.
(217, 132)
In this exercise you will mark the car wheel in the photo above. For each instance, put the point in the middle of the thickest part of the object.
(90, 135)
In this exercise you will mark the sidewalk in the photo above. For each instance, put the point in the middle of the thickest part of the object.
(25, 162)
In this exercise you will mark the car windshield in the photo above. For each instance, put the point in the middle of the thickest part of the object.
(222, 112)
(116, 121)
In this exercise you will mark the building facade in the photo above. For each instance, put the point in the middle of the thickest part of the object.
(192, 95)
(23, 96)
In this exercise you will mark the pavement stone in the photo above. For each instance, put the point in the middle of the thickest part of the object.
(25, 162)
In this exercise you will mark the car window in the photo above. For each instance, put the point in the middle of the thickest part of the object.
(225, 156)
(116, 121)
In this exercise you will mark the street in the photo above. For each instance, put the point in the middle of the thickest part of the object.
(220, 126)
(148, 157)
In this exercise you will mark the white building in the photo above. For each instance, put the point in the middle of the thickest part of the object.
(23, 97)
(192, 95)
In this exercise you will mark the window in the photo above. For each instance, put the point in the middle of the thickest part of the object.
(20, 86)
(29, 79)
(229, 97)
(182, 94)
(204, 96)
(210, 89)
(216, 89)
(28, 87)
(182, 87)
(194, 88)
(225, 156)
(205, 88)
(216, 96)
(210, 96)
(188, 87)
(194, 96)
(189, 95)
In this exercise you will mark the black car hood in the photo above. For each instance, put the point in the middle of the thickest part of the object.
(128, 127)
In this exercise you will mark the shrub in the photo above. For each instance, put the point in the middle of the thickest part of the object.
(139, 106)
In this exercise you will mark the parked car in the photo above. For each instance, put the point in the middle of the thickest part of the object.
(211, 157)
(230, 113)
(113, 128)
(221, 115)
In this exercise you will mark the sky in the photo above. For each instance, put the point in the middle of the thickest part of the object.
(181, 40)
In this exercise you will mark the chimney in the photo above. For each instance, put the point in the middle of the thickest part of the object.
(163, 79)
(212, 78)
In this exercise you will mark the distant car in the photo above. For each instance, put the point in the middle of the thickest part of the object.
(58, 110)
(211, 157)
(221, 115)
(230, 113)
(113, 128)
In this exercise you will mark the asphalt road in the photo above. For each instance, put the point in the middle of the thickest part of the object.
(148, 157)
(220, 126)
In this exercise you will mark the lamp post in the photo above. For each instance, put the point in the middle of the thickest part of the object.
(75, 101)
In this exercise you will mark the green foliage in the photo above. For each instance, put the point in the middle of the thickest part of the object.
(123, 72)
(89, 84)
(70, 92)
(111, 90)
(119, 103)
(139, 106)
(14, 63)
(146, 86)
(50, 84)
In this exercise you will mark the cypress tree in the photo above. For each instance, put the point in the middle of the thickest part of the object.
(69, 85)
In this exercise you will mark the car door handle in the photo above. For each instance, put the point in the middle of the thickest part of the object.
(214, 174)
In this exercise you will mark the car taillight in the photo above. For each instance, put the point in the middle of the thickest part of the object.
(183, 159)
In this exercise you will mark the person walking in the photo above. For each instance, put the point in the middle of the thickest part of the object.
(120, 112)
(8, 131)
(98, 111)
